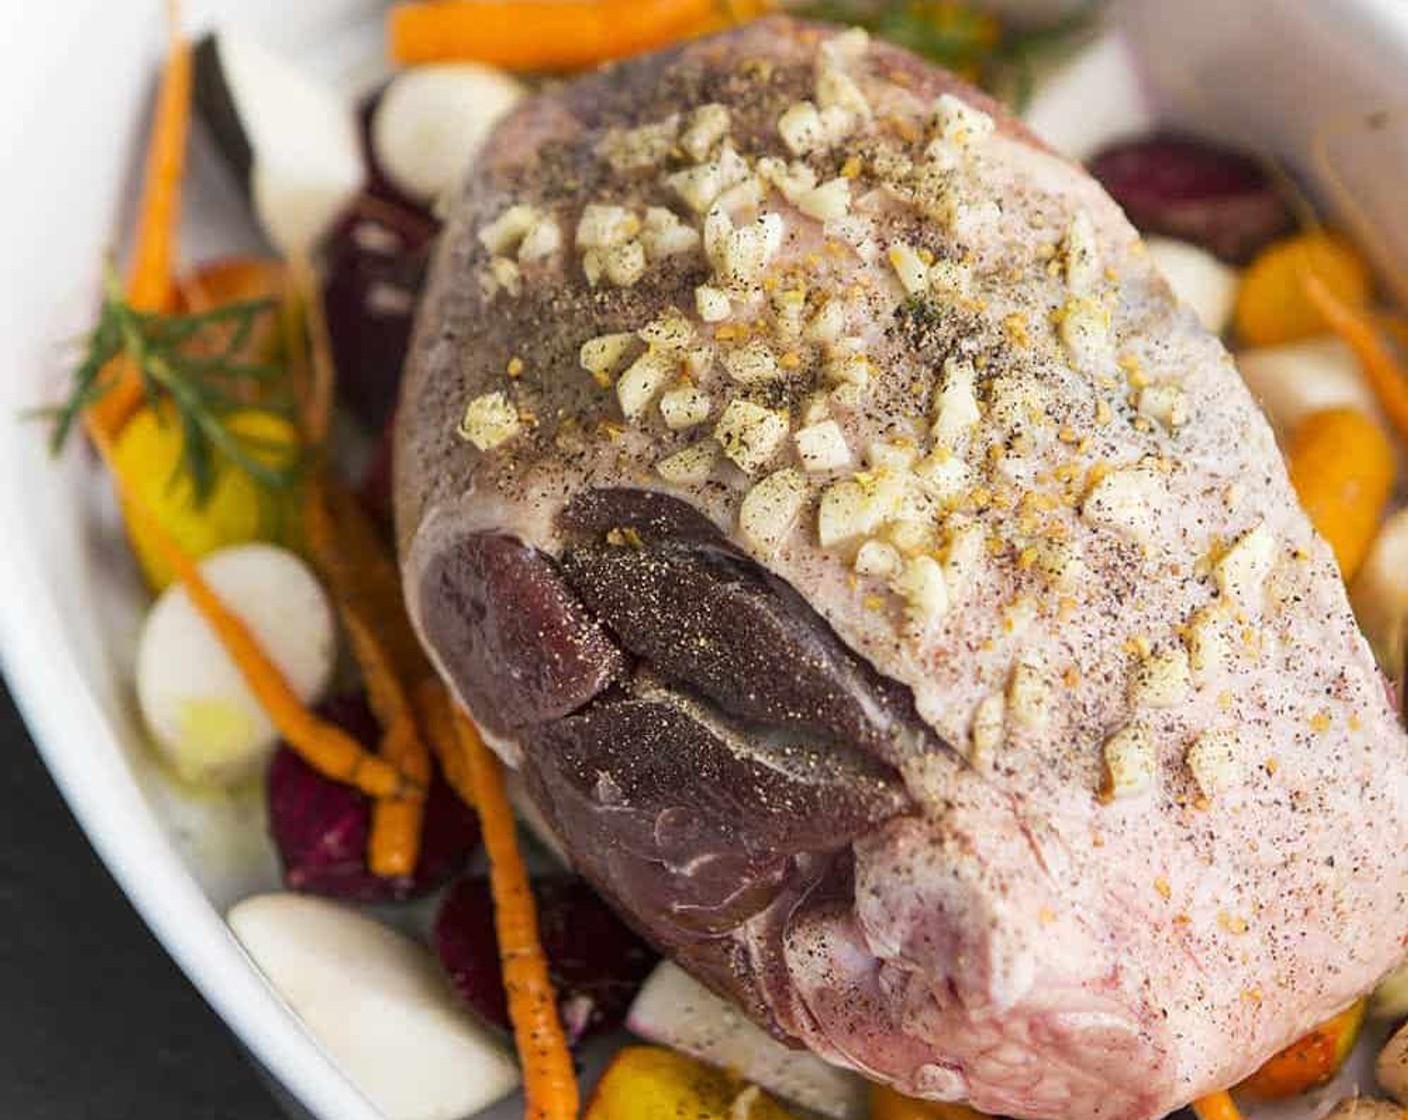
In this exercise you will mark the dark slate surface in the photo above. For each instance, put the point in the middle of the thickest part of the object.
(96, 1022)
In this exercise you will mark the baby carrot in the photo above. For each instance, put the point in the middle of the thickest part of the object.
(1216, 1106)
(541, 34)
(550, 1084)
(1342, 467)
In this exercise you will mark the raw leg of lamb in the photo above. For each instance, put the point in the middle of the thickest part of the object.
(892, 597)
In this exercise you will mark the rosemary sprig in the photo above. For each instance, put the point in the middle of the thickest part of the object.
(194, 372)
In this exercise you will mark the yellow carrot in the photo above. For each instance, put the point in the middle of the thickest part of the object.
(542, 34)
(151, 276)
(549, 1081)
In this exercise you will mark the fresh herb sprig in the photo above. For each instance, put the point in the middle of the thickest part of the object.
(194, 372)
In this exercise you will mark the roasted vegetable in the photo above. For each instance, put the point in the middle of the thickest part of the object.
(1292, 381)
(1198, 278)
(1310, 1062)
(1196, 191)
(651, 1083)
(1272, 307)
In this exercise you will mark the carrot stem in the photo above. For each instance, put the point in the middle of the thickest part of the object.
(1216, 1106)
(542, 34)
(151, 282)
(550, 1084)
(1382, 370)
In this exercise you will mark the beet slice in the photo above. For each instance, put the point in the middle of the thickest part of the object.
(596, 963)
(321, 827)
(1195, 190)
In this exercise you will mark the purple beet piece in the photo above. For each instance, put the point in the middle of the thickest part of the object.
(376, 258)
(596, 963)
(320, 827)
(1194, 190)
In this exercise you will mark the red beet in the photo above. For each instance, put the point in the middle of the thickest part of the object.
(597, 964)
(320, 827)
(1196, 191)
(376, 258)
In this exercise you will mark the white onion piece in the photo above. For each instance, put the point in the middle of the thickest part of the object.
(377, 1004)
(432, 121)
(1090, 98)
(1379, 594)
(1198, 278)
(200, 711)
(1299, 378)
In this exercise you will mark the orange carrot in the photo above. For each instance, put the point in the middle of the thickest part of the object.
(324, 746)
(436, 713)
(150, 279)
(548, 1078)
(1382, 370)
(542, 34)
(1216, 1106)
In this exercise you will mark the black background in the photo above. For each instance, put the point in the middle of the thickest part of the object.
(96, 1022)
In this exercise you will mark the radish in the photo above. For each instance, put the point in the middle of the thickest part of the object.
(201, 713)
(675, 1010)
(293, 144)
(1198, 278)
(431, 122)
(376, 1003)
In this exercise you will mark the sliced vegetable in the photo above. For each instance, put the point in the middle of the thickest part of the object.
(1198, 278)
(430, 123)
(292, 143)
(1309, 1062)
(375, 264)
(550, 1081)
(1342, 467)
(204, 716)
(1196, 191)
(677, 1011)
(542, 34)
(1292, 381)
(238, 509)
(596, 963)
(1273, 306)
(321, 828)
(1091, 98)
(651, 1083)
(886, 1104)
(1379, 595)
(375, 1002)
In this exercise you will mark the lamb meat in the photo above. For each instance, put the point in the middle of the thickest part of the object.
(892, 597)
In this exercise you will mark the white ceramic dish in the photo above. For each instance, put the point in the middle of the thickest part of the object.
(76, 79)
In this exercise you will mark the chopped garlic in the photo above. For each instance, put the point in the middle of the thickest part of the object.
(624, 265)
(922, 586)
(857, 507)
(684, 407)
(1168, 404)
(894, 454)
(505, 275)
(748, 250)
(700, 187)
(801, 129)
(823, 447)
(1131, 763)
(602, 356)
(1162, 679)
(691, 465)
(645, 146)
(752, 364)
(845, 366)
(1029, 698)
(506, 232)
(827, 202)
(1215, 761)
(711, 303)
(1085, 330)
(1082, 254)
(877, 558)
(645, 377)
(1212, 641)
(750, 434)
(1062, 566)
(913, 273)
(828, 324)
(542, 241)
(490, 420)
(670, 332)
(967, 551)
(1128, 500)
(959, 123)
(1242, 571)
(956, 411)
(793, 179)
(944, 475)
(707, 125)
(988, 730)
(602, 226)
(835, 89)
(665, 235)
(771, 507)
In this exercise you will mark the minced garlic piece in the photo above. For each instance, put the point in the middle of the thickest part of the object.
(1131, 764)
(877, 558)
(670, 332)
(665, 235)
(644, 146)
(691, 465)
(752, 364)
(1212, 641)
(1162, 679)
(846, 366)
(967, 552)
(602, 226)
(1168, 404)
(506, 232)
(1082, 255)
(801, 129)
(1128, 500)
(751, 434)
(1215, 761)
(707, 125)
(1062, 566)
(922, 587)
(793, 179)
(490, 420)
(645, 377)
(602, 356)
(541, 242)
(505, 276)
(1029, 697)
(959, 123)
(746, 252)
(944, 476)
(913, 273)
(828, 202)
(822, 446)
(624, 265)
(858, 506)
(1242, 570)
(828, 324)
(771, 507)
(956, 411)
(1085, 330)
(989, 725)
(684, 407)
(700, 187)
(712, 303)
